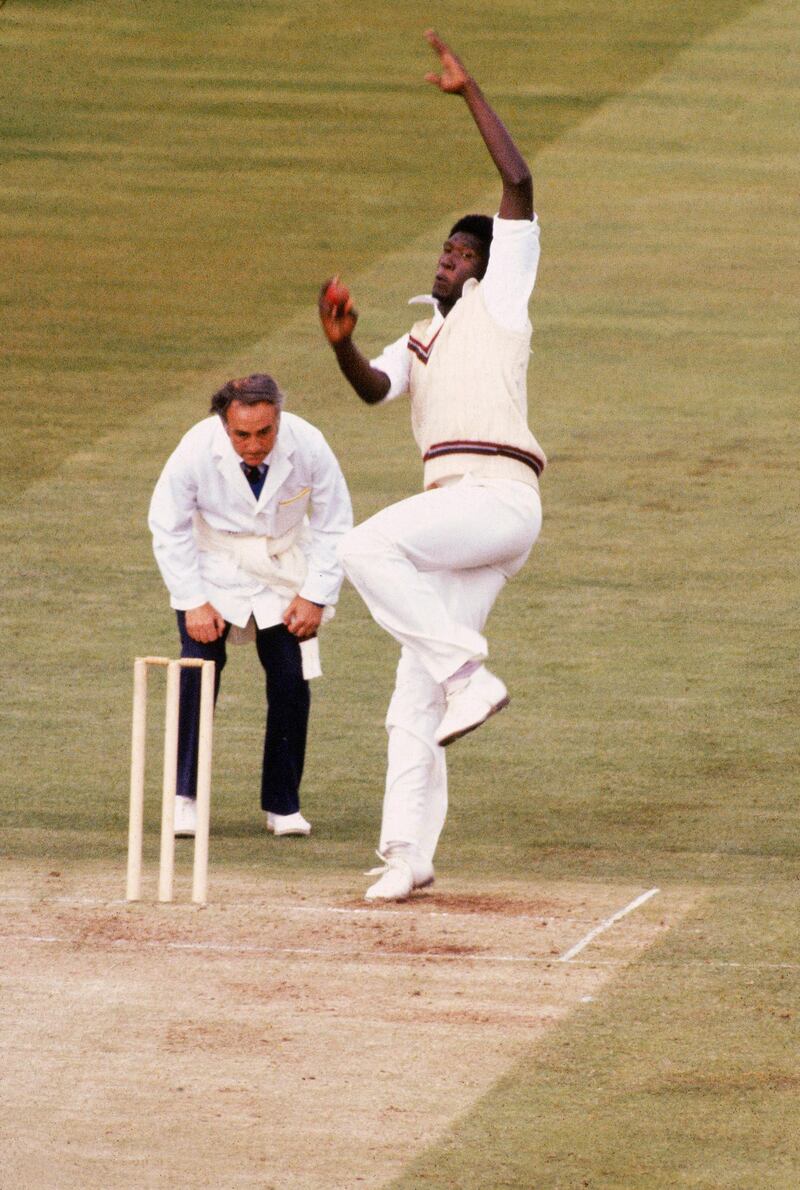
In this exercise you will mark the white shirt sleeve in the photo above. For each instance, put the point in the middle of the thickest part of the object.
(513, 263)
(395, 361)
(171, 510)
(331, 516)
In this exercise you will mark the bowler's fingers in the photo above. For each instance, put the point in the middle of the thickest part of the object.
(434, 41)
(454, 72)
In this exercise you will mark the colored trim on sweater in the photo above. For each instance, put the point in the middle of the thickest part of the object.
(484, 448)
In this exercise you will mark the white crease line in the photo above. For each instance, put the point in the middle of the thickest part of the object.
(544, 920)
(39, 938)
(41, 902)
(547, 960)
(277, 952)
(319, 952)
(605, 925)
(467, 916)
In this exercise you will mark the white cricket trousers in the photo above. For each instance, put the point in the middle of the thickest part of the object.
(429, 569)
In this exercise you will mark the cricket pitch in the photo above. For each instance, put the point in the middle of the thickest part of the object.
(283, 1036)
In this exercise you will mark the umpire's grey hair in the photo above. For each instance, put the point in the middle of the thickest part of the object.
(250, 390)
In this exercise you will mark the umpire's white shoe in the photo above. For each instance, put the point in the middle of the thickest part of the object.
(470, 702)
(185, 817)
(403, 870)
(288, 824)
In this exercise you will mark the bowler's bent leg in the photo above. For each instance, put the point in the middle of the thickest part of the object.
(465, 526)
(288, 706)
(189, 716)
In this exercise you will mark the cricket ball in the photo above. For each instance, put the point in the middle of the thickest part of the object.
(337, 294)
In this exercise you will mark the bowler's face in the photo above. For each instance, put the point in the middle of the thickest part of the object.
(252, 429)
(462, 257)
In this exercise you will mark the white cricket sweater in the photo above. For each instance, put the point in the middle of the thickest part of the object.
(469, 398)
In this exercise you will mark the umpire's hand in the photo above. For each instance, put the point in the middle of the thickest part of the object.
(303, 618)
(205, 624)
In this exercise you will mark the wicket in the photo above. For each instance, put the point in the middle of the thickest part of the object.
(138, 734)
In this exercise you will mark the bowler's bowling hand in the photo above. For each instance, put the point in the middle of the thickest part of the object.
(302, 618)
(205, 624)
(454, 76)
(336, 311)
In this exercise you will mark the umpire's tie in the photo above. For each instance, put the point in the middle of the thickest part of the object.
(255, 476)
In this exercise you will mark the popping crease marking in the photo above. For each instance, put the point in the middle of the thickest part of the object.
(575, 921)
(308, 952)
(341, 911)
(546, 960)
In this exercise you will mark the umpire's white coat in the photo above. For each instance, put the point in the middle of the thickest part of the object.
(204, 474)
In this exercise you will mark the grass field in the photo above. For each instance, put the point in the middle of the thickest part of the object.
(172, 192)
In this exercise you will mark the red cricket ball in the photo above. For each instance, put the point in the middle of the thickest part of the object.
(337, 294)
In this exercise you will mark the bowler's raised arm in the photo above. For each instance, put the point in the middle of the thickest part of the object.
(455, 79)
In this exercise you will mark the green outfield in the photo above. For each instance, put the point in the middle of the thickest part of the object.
(174, 188)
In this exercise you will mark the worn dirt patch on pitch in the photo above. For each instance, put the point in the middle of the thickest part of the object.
(281, 1037)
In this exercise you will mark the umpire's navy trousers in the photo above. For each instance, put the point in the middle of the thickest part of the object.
(288, 703)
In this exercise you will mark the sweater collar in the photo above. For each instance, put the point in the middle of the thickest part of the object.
(426, 299)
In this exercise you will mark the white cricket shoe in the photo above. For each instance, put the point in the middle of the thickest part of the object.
(288, 824)
(185, 817)
(403, 870)
(470, 703)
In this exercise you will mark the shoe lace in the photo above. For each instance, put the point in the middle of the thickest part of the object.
(379, 871)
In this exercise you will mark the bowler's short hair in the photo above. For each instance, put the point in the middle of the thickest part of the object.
(250, 390)
(479, 226)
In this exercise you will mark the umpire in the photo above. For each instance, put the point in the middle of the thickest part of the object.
(245, 518)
